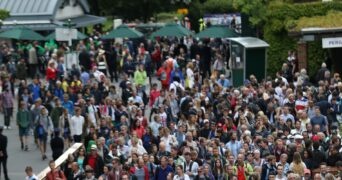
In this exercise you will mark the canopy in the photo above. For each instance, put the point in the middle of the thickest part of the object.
(21, 34)
(217, 32)
(80, 36)
(173, 30)
(123, 31)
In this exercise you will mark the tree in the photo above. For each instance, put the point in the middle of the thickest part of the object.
(218, 6)
(255, 10)
(4, 14)
(130, 9)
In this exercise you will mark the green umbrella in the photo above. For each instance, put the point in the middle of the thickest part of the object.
(173, 30)
(217, 32)
(123, 31)
(21, 34)
(80, 36)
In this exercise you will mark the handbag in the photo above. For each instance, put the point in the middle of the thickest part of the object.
(40, 130)
(187, 82)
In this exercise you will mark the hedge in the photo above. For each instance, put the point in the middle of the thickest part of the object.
(281, 18)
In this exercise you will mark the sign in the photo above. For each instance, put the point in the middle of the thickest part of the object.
(232, 20)
(332, 42)
(65, 34)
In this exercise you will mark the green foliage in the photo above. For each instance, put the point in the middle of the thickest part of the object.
(218, 6)
(315, 57)
(282, 17)
(280, 43)
(4, 14)
(255, 9)
(331, 20)
(167, 17)
(133, 9)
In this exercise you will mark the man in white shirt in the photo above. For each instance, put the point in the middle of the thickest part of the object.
(77, 122)
(155, 125)
(190, 167)
(92, 111)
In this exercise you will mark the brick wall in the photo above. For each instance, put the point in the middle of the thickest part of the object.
(302, 55)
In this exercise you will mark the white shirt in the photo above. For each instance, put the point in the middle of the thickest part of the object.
(190, 75)
(185, 177)
(92, 110)
(193, 170)
(33, 177)
(77, 123)
(169, 140)
(174, 86)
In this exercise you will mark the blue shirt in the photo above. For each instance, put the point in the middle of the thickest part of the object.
(35, 90)
(59, 93)
(224, 82)
(161, 174)
(69, 106)
(85, 78)
(234, 147)
(320, 120)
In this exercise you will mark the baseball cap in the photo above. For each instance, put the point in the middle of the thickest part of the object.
(93, 147)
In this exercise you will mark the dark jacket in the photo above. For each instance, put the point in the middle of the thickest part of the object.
(57, 147)
(266, 170)
(84, 59)
(3, 147)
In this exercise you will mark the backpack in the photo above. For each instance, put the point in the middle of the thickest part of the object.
(179, 91)
(163, 76)
(190, 167)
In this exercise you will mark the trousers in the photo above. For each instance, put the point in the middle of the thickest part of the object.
(3, 163)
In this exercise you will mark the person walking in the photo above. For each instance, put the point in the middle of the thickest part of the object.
(43, 125)
(23, 122)
(7, 106)
(3, 153)
(77, 122)
(57, 145)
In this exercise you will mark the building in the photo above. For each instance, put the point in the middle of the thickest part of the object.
(41, 15)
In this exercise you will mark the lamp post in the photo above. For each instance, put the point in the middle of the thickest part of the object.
(69, 25)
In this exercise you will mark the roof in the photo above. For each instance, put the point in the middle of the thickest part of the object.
(30, 7)
(35, 7)
(87, 20)
(318, 30)
(250, 42)
(41, 14)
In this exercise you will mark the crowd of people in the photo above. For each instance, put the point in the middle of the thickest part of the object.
(166, 109)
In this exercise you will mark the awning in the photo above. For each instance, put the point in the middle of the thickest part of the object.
(86, 20)
(250, 42)
(35, 27)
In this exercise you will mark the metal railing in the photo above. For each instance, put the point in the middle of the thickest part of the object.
(60, 160)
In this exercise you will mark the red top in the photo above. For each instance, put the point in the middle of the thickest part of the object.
(92, 161)
(140, 131)
(51, 74)
(168, 73)
(154, 94)
(156, 55)
(241, 173)
(52, 175)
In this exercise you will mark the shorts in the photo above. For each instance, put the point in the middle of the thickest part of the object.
(24, 131)
(43, 138)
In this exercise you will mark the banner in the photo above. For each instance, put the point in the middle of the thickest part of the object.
(332, 42)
